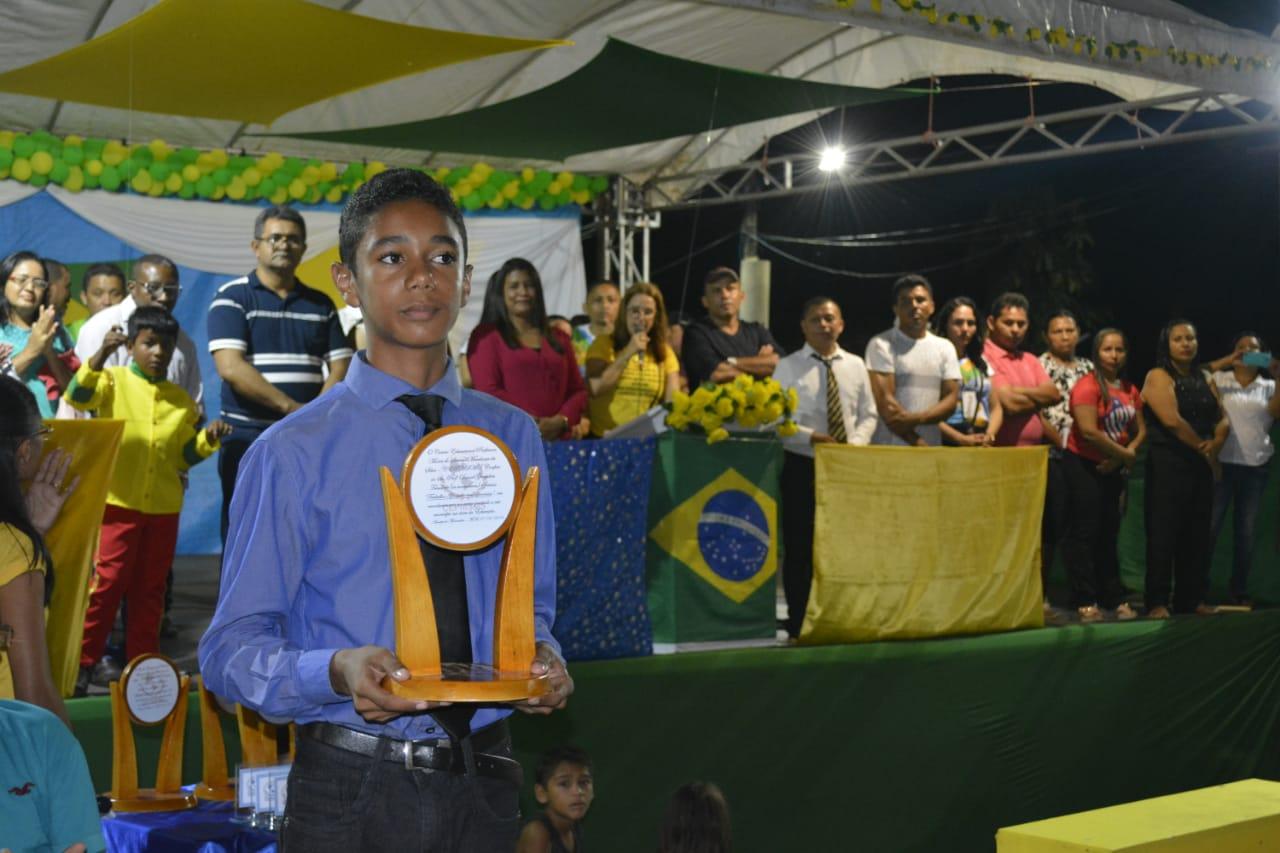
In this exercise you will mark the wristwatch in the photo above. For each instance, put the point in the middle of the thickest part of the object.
(732, 360)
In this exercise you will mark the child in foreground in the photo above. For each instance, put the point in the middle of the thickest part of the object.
(140, 522)
(565, 789)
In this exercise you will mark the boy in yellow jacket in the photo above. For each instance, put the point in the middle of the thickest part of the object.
(140, 523)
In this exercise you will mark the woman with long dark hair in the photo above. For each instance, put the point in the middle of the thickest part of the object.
(1252, 405)
(978, 416)
(516, 356)
(1184, 440)
(25, 569)
(634, 368)
(29, 324)
(697, 821)
(1107, 428)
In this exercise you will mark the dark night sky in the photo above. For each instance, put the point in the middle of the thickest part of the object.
(1188, 229)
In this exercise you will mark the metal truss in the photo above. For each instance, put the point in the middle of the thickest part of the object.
(1115, 127)
(621, 223)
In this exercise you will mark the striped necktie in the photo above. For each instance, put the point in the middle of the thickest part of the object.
(835, 416)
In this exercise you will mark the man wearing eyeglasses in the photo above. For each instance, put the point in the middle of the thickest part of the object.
(277, 343)
(154, 281)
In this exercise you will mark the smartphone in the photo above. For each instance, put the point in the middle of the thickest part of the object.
(1257, 359)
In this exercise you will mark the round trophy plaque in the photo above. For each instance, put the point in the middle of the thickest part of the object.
(151, 685)
(461, 485)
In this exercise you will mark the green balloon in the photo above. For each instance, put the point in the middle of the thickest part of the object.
(580, 183)
(521, 199)
(355, 172)
(59, 172)
(159, 171)
(240, 163)
(599, 184)
(92, 182)
(205, 186)
(142, 155)
(186, 154)
(452, 177)
(110, 178)
(547, 202)
(93, 149)
(41, 144)
(23, 145)
(128, 168)
(221, 176)
(265, 188)
(38, 180)
(563, 198)
(487, 192)
(6, 158)
(188, 191)
(472, 201)
(73, 155)
(293, 166)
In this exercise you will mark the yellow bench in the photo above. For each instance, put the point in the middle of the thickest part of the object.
(1241, 816)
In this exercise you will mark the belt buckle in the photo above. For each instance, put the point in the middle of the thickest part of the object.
(407, 747)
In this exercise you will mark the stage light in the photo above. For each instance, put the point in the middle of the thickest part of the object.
(832, 159)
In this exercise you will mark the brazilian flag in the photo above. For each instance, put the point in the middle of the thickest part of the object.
(713, 539)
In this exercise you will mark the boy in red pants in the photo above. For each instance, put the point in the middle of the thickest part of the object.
(140, 523)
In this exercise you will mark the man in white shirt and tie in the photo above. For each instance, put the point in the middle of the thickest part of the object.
(836, 405)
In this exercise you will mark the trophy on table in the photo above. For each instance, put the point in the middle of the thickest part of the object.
(460, 490)
(150, 692)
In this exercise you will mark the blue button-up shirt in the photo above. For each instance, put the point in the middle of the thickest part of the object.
(306, 571)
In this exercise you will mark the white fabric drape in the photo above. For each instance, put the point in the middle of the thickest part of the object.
(204, 235)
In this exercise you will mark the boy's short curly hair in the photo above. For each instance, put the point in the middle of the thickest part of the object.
(554, 757)
(387, 188)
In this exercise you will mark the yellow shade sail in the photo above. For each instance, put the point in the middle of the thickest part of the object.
(244, 60)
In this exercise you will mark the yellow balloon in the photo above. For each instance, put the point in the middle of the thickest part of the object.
(374, 168)
(6, 138)
(156, 189)
(93, 167)
(251, 177)
(527, 174)
(310, 174)
(219, 193)
(173, 183)
(21, 169)
(528, 203)
(75, 180)
(42, 162)
(328, 171)
(565, 178)
(482, 169)
(236, 188)
(462, 188)
(113, 153)
(334, 195)
(511, 190)
(4, 173)
(553, 188)
(73, 139)
(497, 202)
(219, 158)
(141, 182)
(204, 162)
(581, 197)
(191, 173)
(159, 149)
(297, 188)
(280, 196)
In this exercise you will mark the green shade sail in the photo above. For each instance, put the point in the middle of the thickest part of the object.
(624, 96)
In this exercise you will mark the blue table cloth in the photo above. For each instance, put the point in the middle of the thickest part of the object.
(205, 829)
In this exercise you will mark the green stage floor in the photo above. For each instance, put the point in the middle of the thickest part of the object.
(908, 746)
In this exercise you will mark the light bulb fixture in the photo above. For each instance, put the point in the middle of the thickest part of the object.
(832, 159)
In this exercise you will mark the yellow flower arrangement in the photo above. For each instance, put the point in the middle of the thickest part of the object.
(746, 402)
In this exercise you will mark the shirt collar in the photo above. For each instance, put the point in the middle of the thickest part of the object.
(810, 352)
(380, 389)
(991, 349)
(137, 371)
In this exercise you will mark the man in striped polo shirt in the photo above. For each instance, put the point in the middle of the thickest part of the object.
(272, 338)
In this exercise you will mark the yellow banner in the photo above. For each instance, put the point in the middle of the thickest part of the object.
(73, 541)
(245, 60)
(924, 542)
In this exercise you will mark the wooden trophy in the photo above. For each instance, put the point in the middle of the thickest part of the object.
(460, 489)
(150, 692)
(214, 781)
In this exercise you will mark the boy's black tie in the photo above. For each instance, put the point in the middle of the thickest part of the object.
(447, 580)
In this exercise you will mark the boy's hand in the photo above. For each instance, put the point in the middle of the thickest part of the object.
(112, 341)
(358, 673)
(216, 431)
(547, 662)
(46, 494)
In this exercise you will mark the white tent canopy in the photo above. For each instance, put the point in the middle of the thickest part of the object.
(819, 40)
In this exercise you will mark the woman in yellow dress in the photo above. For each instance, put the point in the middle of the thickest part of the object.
(632, 370)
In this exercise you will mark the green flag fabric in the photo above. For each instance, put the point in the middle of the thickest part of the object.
(714, 539)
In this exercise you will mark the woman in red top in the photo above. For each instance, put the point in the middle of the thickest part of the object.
(1106, 432)
(515, 356)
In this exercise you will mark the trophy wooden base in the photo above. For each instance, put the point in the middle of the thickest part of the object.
(216, 793)
(151, 800)
(468, 682)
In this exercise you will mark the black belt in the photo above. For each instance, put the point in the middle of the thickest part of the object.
(434, 755)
